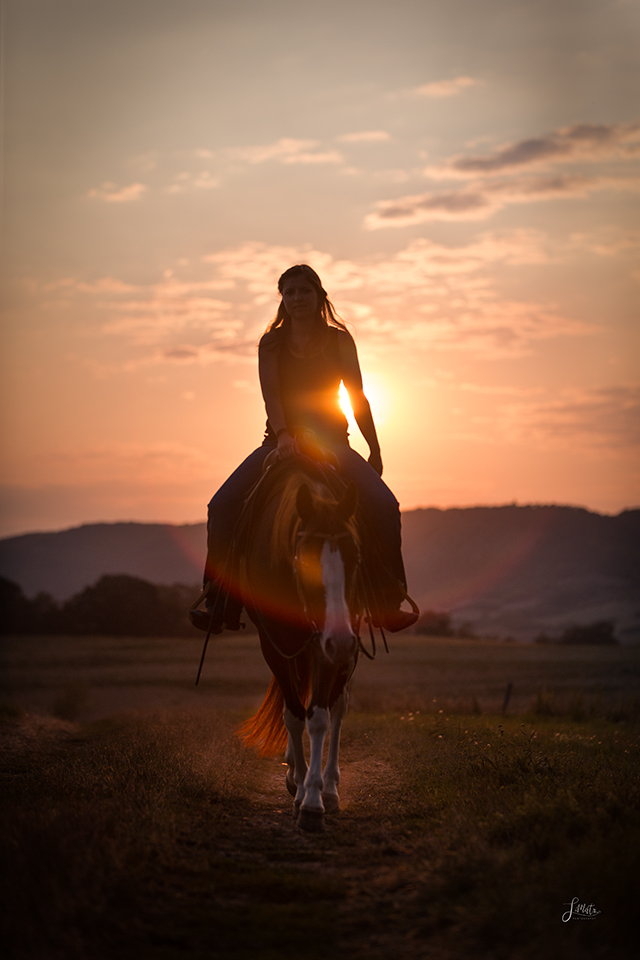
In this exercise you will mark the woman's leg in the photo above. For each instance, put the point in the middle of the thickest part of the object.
(380, 515)
(379, 507)
(224, 512)
(225, 508)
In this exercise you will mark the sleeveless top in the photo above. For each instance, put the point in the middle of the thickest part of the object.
(309, 392)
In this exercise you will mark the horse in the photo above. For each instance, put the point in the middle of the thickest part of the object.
(301, 584)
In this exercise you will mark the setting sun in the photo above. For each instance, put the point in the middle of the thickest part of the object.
(346, 407)
(375, 394)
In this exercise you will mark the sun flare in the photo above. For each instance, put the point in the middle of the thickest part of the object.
(375, 395)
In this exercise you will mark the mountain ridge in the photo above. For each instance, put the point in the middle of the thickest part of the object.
(509, 570)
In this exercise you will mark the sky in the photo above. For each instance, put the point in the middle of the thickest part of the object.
(463, 174)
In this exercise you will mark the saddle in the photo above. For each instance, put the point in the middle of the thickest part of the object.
(224, 607)
(380, 586)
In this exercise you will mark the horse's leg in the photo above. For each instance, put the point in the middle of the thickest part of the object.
(290, 760)
(286, 674)
(331, 776)
(295, 758)
(312, 809)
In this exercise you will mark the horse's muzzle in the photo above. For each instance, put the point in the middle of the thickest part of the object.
(339, 648)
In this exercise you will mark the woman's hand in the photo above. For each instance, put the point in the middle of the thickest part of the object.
(375, 460)
(287, 446)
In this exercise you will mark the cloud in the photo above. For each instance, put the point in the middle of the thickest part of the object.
(512, 174)
(245, 386)
(427, 295)
(164, 312)
(583, 141)
(497, 391)
(445, 88)
(108, 285)
(605, 417)
(151, 313)
(365, 136)
(114, 462)
(480, 200)
(227, 346)
(607, 243)
(421, 207)
(110, 193)
(287, 150)
(469, 317)
(199, 181)
(329, 156)
(144, 162)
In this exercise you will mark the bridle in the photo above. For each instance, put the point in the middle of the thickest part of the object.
(333, 539)
(362, 589)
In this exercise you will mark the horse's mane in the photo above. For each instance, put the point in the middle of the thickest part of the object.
(326, 488)
(287, 522)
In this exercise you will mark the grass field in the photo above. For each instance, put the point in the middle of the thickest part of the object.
(90, 678)
(135, 826)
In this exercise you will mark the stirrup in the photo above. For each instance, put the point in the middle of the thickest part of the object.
(395, 620)
(204, 619)
(215, 621)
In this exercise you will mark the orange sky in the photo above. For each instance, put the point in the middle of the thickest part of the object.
(463, 176)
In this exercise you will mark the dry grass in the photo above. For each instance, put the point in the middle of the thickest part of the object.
(157, 836)
(93, 677)
(153, 834)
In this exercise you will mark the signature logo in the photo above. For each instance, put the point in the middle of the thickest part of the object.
(579, 911)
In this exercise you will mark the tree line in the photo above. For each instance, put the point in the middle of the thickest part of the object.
(439, 624)
(116, 605)
(121, 605)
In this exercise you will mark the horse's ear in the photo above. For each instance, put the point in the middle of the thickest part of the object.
(349, 502)
(304, 503)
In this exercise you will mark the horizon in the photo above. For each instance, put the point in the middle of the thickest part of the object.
(194, 523)
(464, 179)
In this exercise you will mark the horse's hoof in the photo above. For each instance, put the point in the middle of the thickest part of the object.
(291, 787)
(311, 820)
(331, 803)
(296, 811)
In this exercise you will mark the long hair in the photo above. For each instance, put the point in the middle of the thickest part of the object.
(327, 316)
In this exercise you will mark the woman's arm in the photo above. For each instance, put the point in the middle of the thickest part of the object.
(352, 379)
(270, 386)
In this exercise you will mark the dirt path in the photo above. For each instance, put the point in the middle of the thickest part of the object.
(156, 836)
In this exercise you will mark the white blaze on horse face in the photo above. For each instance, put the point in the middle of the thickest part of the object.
(337, 620)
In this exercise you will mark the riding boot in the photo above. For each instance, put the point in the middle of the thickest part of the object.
(385, 597)
(222, 610)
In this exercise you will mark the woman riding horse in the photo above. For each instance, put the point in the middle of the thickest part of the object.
(304, 356)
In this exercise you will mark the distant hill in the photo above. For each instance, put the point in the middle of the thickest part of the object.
(518, 571)
(510, 571)
(64, 562)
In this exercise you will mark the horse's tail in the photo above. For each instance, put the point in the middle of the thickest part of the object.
(265, 731)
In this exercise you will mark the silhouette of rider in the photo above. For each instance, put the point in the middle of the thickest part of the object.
(304, 356)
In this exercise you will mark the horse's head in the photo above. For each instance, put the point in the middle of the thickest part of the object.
(327, 559)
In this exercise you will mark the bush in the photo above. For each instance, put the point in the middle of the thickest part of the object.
(120, 605)
(20, 615)
(434, 624)
(599, 632)
(117, 605)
